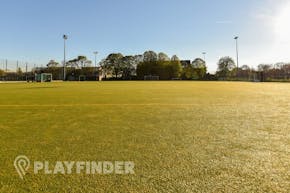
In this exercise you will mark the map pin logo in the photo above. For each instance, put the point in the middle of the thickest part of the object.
(21, 164)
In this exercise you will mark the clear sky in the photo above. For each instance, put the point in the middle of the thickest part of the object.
(31, 30)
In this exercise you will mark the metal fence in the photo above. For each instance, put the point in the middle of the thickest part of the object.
(7, 65)
(13, 70)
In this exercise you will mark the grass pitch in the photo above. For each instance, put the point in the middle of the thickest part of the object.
(182, 136)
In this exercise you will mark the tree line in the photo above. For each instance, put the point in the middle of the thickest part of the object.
(151, 63)
(116, 66)
(227, 70)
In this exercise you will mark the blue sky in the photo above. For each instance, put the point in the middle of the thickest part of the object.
(31, 30)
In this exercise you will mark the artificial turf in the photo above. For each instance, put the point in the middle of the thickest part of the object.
(182, 136)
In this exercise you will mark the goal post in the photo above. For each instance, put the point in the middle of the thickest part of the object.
(150, 77)
(43, 77)
(82, 78)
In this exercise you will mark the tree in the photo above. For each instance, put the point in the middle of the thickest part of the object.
(245, 72)
(174, 58)
(52, 63)
(166, 70)
(128, 66)
(79, 62)
(225, 66)
(54, 68)
(245, 67)
(265, 71)
(2, 72)
(199, 68)
(163, 57)
(138, 59)
(198, 63)
(286, 70)
(196, 70)
(150, 56)
(187, 72)
(175, 69)
(113, 64)
(88, 71)
(264, 67)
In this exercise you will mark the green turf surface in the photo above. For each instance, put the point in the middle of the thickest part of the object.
(182, 136)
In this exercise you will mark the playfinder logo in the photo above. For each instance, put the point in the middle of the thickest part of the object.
(22, 165)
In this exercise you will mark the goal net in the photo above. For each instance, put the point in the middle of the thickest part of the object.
(43, 77)
(82, 78)
(150, 77)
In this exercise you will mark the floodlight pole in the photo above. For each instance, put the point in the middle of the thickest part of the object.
(6, 63)
(237, 52)
(26, 71)
(204, 53)
(95, 53)
(64, 56)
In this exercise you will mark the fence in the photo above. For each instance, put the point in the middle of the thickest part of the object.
(16, 66)
(25, 71)
(13, 70)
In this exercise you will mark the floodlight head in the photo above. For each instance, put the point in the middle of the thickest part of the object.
(65, 37)
(203, 53)
(96, 53)
(237, 37)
